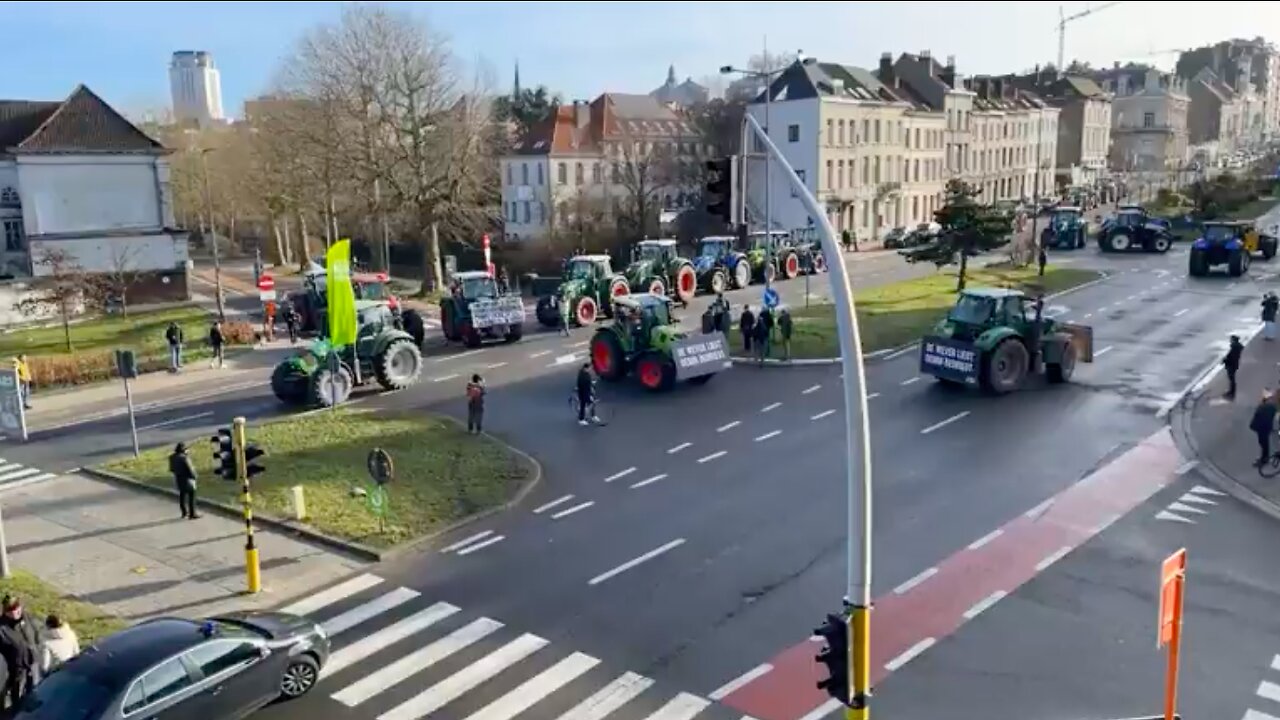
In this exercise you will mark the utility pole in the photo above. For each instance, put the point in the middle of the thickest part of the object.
(382, 219)
(1035, 197)
(208, 209)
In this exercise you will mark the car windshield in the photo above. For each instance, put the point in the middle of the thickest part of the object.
(67, 695)
(580, 270)
(1219, 233)
(475, 288)
(971, 309)
(712, 248)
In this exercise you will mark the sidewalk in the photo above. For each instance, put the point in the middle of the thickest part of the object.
(130, 554)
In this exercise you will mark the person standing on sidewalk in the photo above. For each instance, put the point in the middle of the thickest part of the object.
(59, 644)
(764, 334)
(184, 478)
(747, 325)
(784, 331)
(1270, 304)
(1232, 363)
(1263, 424)
(24, 379)
(216, 342)
(846, 239)
(475, 405)
(173, 336)
(20, 646)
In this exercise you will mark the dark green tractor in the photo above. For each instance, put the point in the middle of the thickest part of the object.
(643, 341)
(658, 269)
(476, 310)
(584, 291)
(988, 338)
(1067, 229)
(773, 255)
(324, 376)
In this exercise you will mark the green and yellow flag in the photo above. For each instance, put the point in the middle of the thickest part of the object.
(342, 296)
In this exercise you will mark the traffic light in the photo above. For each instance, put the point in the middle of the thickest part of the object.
(720, 188)
(835, 632)
(252, 452)
(224, 455)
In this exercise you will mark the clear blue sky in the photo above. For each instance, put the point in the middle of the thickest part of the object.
(121, 49)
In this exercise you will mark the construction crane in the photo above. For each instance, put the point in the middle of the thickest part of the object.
(1063, 19)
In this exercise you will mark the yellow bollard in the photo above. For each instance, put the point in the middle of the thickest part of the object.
(252, 570)
(860, 663)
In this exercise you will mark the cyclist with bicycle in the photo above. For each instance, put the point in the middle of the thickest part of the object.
(586, 394)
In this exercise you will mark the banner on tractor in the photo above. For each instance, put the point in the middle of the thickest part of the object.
(500, 311)
(341, 295)
(700, 355)
(950, 359)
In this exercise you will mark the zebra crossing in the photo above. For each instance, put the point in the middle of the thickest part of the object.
(399, 656)
(15, 475)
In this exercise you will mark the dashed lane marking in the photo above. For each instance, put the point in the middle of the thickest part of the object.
(445, 378)
(481, 545)
(606, 575)
(729, 426)
(553, 504)
(575, 509)
(742, 680)
(769, 435)
(915, 581)
(458, 356)
(873, 396)
(541, 353)
(649, 481)
(911, 654)
(810, 390)
(679, 447)
(770, 408)
(1103, 351)
(910, 381)
(1182, 312)
(1050, 560)
(823, 414)
(712, 456)
(986, 539)
(467, 541)
(938, 426)
(984, 604)
(620, 475)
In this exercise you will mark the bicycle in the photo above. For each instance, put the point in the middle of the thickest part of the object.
(599, 413)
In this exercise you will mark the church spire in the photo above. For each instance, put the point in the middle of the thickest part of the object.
(671, 74)
(515, 89)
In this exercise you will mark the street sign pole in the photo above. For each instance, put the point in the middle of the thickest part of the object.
(4, 550)
(127, 366)
(133, 422)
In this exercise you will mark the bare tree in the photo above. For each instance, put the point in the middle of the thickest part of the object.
(60, 289)
(121, 274)
(644, 170)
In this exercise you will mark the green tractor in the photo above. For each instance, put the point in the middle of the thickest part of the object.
(475, 310)
(772, 254)
(657, 269)
(643, 340)
(988, 337)
(587, 287)
(324, 376)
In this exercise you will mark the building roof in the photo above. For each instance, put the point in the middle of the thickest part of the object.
(681, 93)
(610, 117)
(804, 80)
(1083, 86)
(1002, 94)
(1214, 84)
(82, 123)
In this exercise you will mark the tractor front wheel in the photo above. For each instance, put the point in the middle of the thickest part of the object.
(289, 383)
(1006, 367)
(741, 273)
(470, 336)
(607, 358)
(1062, 370)
(1199, 264)
(330, 388)
(790, 266)
(1238, 263)
(548, 315)
(618, 288)
(398, 366)
(718, 282)
(514, 333)
(655, 372)
(1161, 244)
(686, 280)
(819, 262)
(657, 288)
(586, 311)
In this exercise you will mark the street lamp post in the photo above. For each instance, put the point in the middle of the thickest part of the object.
(217, 261)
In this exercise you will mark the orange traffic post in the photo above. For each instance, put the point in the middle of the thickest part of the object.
(1173, 578)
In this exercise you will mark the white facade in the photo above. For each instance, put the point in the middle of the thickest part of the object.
(797, 119)
(526, 196)
(195, 87)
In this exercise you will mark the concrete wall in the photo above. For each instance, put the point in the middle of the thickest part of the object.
(107, 253)
(78, 194)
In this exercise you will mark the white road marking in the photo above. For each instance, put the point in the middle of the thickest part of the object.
(27, 481)
(1196, 499)
(810, 390)
(609, 698)
(911, 654)
(910, 381)
(465, 542)
(536, 688)
(1103, 351)
(954, 418)
(712, 456)
(582, 344)
(468, 353)
(679, 447)
(984, 604)
(175, 421)
(16, 474)
(636, 561)
(366, 646)
(373, 608)
(1055, 557)
(451, 688)
(541, 353)
(824, 413)
(494, 366)
(873, 396)
(742, 680)
(769, 435)
(649, 481)
(1166, 515)
(576, 508)
(564, 359)
(1103, 308)
(1201, 489)
(729, 426)
(903, 351)
(415, 662)
(481, 545)
(620, 475)
(1183, 508)
(986, 539)
(681, 707)
(915, 581)
(1251, 714)
(444, 378)
(1269, 690)
(768, 408)
(1275, 663)
(1038, 510)
(823, 710)
(1088, 315)
(554, 503)
(325, 598)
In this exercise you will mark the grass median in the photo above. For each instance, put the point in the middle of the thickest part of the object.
(899, 313)
(442, 474)
(40, 599)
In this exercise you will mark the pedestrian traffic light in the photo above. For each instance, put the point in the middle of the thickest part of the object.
(252, 452)
(720, 188)
(224, 456)
(835, 632)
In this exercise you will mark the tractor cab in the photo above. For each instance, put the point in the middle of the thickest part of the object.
(980, 309)
(658, 251)
(1064, 217)
(641, 314)
(715, 247)
(766, 241)
(473, 285)
(591, 268)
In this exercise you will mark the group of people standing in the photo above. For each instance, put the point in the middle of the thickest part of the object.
(31, 652)
(758, 332)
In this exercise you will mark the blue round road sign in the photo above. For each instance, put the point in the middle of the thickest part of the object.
(770, 298)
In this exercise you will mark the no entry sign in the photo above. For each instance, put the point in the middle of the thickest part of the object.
(266, 288)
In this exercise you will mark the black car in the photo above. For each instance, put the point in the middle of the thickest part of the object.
(222, 668)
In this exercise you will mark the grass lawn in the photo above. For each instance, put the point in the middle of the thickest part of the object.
(140, 331)
(899, 313)
(39, 599)
(1251, 211)
(442, 474)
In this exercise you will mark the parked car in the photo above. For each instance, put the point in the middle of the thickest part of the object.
(222, 668)
(896, 238)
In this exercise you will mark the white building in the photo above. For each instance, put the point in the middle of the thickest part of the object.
(76, 176)
(196, 88)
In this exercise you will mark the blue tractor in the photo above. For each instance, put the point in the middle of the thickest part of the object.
(1220, 243)
(721, 265)
(1067, 230)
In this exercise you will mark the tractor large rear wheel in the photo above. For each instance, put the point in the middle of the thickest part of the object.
(1120, 242)
(741, 273)
(415, 326)
(399, 365)
(289, 383)
(470, 336)
(1005, 367)
(655, 371)
(718, 282)
(1238, 263)
(607, 358)
(790, 266)
(329, 388)
(1062, 370)
(1198, 265)
(686, 280)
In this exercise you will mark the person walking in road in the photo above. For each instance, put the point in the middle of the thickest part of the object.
(1263, 424)
(586, 389)
(24, 379)
(173, 336)
(846, 240)
(1270, 304)
(1232, 363)
(58, 645)
(564, 317)
(20, 646)
(184, 477)
(216, 342)
(475, 405)
(747, 325)
(784, 331)
(291, 320)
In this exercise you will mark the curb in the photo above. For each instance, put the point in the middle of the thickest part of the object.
(1179, 422)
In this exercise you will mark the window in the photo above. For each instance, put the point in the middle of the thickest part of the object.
(539, 174)
(793, 133)
(799, 174)
(166, 680)
(542, 213)
(595, 172)
(617, 173)
(877, 130)
(866, 170)
(840, 132)
(528, 211)
(13, 240)
(524, 173)
(916, 172)
(906, 169)
(877, 172)
(831, 133)
(577, 173)
(1148, 120)
(900, 133)
(511, 176)
(562, 173)
(917, 137)
(831, 181)
(840, 174)
(866, 131)
(866, 213)
(9, 196)
(220, 655)
(915, 207)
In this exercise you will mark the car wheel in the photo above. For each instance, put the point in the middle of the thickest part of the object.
(299, 677)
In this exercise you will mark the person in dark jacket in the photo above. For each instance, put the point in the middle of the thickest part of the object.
(747, 324)
(184, 477)
(586, 389)
(1232, 363)
(1263, 424)
(20, 647)
(173, 336)
(291, 322)
(764, 333)
(785, 326)
(1270, 305)
(216, 342)
(475, 405)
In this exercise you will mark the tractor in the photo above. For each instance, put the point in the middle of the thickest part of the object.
(643, 340)
(1258, 243)
(322, 375)
(311, 301)
(988, 338)
(772, 254)
(476, 310)
(1134, 229)
(1067, 229)
(720, 265)
(1220, 243)
(586, 289)
(657, 269)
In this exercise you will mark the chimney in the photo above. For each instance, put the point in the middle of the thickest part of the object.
(581, 113)
(1115, 65)
(948, 76)
(1152, 80)
(926, 55)
(886, 68)
(837, 86)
